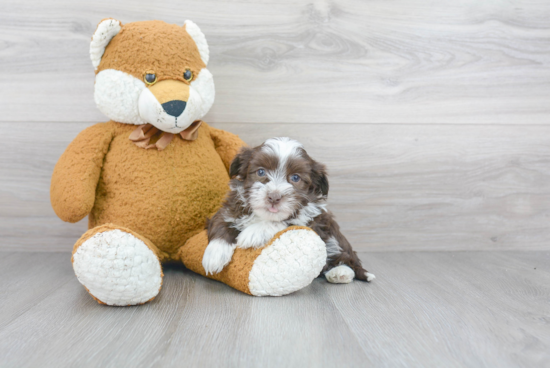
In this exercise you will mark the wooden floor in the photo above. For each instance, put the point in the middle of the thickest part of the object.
(425, 309)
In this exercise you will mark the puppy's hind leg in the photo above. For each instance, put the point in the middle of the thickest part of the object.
(340, 275)
(343, 264)
(344, 274)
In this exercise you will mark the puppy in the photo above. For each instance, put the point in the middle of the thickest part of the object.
(273, 186)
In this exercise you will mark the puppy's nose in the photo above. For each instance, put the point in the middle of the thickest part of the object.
(174, 107)
(274, 198)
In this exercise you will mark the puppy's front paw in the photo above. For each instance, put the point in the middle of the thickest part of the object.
(217, 255)
(340, 275)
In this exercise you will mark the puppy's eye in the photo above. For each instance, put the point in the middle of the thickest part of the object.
(150, 78)
(187, 75)
(295, 178)
(261, 172)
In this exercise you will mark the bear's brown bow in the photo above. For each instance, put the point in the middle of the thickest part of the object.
(147, 132)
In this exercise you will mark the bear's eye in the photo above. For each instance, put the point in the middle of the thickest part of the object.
(295, 178)
(187, 75)
(150, 78)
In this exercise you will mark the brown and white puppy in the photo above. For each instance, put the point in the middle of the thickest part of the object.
(273, 186)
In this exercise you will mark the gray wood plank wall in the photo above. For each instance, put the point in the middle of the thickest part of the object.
(433, 118)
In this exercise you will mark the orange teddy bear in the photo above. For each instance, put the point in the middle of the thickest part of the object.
(149, 178)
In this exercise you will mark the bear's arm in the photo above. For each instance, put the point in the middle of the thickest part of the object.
(76, 174)
(227, 145)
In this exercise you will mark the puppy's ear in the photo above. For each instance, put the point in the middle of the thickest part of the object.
(319, 180)
(239, 165)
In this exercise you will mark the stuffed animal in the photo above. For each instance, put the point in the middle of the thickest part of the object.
(150, 177)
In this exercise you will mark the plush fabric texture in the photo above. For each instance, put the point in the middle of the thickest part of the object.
(165, 196)
(199, 39)
(154, 41)
(117, 94)
(75, 176)
(293, 259)
(105, 31)
(117, 266)
(278, 268)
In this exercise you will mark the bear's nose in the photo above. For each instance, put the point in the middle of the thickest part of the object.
(174, 107)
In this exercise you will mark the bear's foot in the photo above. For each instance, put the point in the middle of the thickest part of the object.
(289, 262)
(117, 266)
(292, 261)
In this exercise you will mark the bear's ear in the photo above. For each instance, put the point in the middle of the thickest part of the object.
(106, 30)
(199, 38)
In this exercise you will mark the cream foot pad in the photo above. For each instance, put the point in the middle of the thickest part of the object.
(117, 268)
(291, 263)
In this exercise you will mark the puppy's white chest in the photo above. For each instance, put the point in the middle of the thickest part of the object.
(259, 233)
